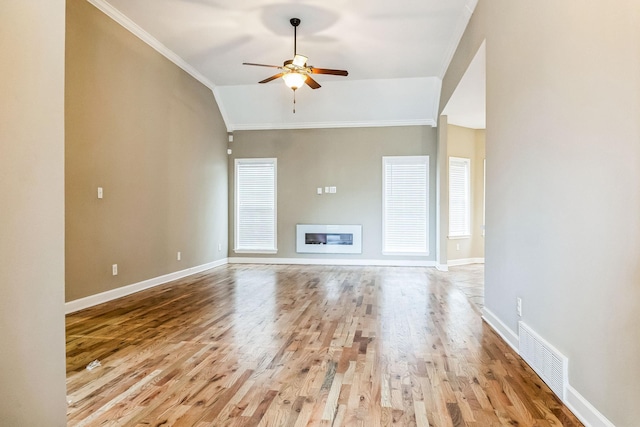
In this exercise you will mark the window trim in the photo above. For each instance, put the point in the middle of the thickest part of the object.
(423, 159)
(484, 195)
(237, 162)
(464, 234)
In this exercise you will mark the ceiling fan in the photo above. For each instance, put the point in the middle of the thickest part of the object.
(295, 72)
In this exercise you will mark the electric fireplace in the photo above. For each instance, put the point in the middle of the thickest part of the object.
(328, 239)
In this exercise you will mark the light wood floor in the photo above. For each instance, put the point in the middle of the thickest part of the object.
(246, 345)
(470, 280)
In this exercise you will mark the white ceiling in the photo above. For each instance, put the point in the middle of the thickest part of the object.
(396, 53)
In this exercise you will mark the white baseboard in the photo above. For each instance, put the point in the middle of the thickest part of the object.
(465, 261)
(329, 261)
(503, 330)
(90, 301)
(442, 267)
(584, 410)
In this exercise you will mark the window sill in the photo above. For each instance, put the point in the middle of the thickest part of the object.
(417, 254)
(255, 251)
(466, 236)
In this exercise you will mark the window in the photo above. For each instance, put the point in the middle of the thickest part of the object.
(459, 197)
(405, 222)
(255, 209)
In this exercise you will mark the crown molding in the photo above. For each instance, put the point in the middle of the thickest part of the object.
(461, 27)
(326, 125)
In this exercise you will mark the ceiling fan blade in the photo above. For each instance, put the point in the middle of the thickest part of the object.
(276, 76)
(312, 83)
(328, 71)
(261, 65)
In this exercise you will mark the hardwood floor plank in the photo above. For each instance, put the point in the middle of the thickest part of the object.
(297, 346)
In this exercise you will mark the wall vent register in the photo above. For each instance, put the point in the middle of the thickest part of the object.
(549, 363)
(329, 239)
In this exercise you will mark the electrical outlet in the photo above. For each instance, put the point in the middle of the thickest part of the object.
(519, 306)
(319, 190)
(457, 246)
(219, 246)
(100, 193)
(114, 269)
(179, 257)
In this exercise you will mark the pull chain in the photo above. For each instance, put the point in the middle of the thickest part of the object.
(294, 101)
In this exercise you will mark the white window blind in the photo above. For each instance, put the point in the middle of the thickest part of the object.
(459, 197)
(406, 205)
(255, 219)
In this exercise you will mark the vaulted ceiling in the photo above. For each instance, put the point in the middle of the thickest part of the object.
(396, 53)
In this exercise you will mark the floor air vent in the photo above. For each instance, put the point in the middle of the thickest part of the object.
(548, 362)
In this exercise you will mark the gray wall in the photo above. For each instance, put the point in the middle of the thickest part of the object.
(32, 359)
(563, 170)
(349, 159)
(153, 138)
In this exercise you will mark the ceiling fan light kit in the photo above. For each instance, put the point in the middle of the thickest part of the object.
(294, 80)
(295, 72)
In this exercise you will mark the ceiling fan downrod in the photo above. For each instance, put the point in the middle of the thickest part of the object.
(295, 22)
